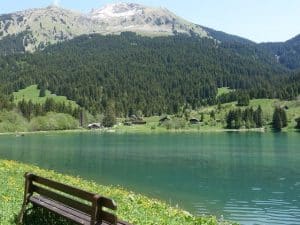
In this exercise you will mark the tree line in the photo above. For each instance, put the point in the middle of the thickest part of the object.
(248, 118)
(30, 109)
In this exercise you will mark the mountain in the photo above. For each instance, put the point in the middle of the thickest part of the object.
(153, 75)
(140, 58)
(287, 53)
(35, 28)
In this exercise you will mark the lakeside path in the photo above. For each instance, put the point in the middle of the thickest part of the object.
(132, 207)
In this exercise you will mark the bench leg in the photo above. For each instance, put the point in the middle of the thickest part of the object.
(21, 214)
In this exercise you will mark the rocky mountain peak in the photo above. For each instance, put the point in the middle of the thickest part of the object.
(117, 10)
(44, 26)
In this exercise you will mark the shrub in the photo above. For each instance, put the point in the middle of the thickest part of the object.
(54, 121)
(175, 123)
(11, 121)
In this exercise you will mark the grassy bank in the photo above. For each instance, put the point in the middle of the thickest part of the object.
(132, 207)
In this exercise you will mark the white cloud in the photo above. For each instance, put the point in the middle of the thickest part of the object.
(56, 2)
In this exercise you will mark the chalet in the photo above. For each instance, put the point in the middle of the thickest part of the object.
(139, 122)
(127, 122)
(94, 126)
(194, 121)
(133, 119)
(164, 119)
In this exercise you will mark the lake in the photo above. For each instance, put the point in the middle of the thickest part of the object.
(251, 178)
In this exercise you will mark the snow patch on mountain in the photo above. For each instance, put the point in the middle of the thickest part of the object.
(117, 10)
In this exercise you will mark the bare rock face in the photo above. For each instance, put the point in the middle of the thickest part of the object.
(144, 20)
(41, 27)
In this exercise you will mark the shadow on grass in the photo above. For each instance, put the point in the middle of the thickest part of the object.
(39, 216)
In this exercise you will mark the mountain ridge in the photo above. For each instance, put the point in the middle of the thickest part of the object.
(287, 53)
(34, 29)
(52, 24)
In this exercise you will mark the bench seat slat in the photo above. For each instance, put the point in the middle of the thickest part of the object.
(61, 209)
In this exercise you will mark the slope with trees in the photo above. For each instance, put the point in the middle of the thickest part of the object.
(151, 75)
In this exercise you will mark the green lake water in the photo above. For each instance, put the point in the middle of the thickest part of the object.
(251, 178)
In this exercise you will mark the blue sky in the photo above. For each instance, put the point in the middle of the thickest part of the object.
(258, 20)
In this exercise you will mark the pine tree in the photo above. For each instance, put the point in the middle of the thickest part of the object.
(237, 119)
(283, 117)
(230, 119)
(298, 123)
(49, 105)
(277, 120)
(42, 92)
(109, 119)
(258, 117)
(202, 117)
(243, 100)
(212, 115)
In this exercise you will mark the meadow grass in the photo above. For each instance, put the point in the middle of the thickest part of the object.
(32, 93)
(132, 207)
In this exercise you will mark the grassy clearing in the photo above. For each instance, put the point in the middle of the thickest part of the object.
(32, 93)
(132, 207)
(223, 90)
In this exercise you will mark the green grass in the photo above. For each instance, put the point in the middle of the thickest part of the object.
(223, 90)
(132, 207)
(32, 93)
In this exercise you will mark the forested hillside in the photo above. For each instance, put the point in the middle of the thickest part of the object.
(151, 75)
(287, 53)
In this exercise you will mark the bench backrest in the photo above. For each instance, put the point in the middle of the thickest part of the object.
(92, 204)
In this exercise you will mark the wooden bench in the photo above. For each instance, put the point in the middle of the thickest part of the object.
(74, 204)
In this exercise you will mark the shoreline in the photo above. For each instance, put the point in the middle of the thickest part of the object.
(141, 130)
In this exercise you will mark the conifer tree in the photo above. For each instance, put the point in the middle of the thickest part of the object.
(42, 92)
(109, 119)
(279, 119)
(243, 100)
(258, 117)
(283, 118)
(298, 123)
